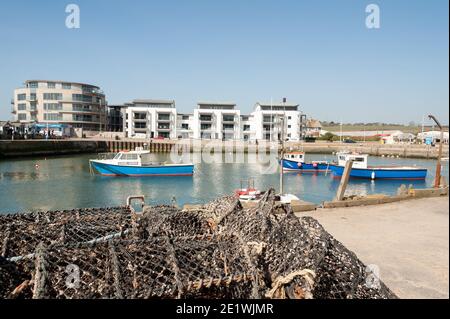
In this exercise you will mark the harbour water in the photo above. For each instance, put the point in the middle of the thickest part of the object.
(64, 182)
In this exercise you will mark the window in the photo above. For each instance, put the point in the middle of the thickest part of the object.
(205, 126)
(246, 127)
(163, 117)
(81, 108)
(228, 118)
(267, 118)
(205, 118)
(21, 106)
(289, 117)
(164, 126)
(33, 106)
(51, 85)
(33, 117)
(140, 116)
(52, 117)
(83, 118)
(289, 126)
(228, 127)
(185, 117)
(52, 106)
(52, 96)
(140, 125)
(185, 126)
(82, 98)
(33, 85)
(32, 96)
(22, 117)
(21, 97)
(66, 86)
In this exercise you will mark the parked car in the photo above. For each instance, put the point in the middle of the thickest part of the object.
(349, 141)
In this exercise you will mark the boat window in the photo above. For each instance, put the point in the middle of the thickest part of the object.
(117, 156)
(292, 156)
(130, 157)
(342, 158)
(359, 159)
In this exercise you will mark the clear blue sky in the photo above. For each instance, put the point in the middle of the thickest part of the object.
(317, 53)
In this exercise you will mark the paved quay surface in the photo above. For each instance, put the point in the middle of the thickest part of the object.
(408, 241)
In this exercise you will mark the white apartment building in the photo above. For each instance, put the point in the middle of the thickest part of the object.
(216, 120)
(273, 121)
(185, 125)
(79, 105)
(213, 120)
(247, 128)
(150, 119)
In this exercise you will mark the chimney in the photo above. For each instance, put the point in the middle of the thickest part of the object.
(284, 100)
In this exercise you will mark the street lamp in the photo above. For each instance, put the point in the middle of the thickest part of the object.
(437, 179)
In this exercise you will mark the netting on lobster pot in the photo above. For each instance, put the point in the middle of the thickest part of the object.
(15, 281)
(253, 224)
(171, 222)
(20, 234)
(190, 267)
(215, 267)
(341, 275)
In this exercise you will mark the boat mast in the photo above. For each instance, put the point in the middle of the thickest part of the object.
(282, 147)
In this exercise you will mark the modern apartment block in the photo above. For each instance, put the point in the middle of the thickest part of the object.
(213, 120)
(150, 119)
(275, 121)
(185, 123)
(79, 105)
(216, 120)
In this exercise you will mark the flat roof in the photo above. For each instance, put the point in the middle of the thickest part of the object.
(53, 81)
(153, 101)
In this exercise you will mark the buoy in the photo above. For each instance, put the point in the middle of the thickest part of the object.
(373, 175)
(315, 165)
(37, 166)
(299, 165)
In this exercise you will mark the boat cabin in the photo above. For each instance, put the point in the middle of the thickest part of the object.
(132, 158)
(298, 157)
(359, 160)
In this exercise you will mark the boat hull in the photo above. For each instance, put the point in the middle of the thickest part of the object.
(108, 169)
(304, 167)
(382, 173)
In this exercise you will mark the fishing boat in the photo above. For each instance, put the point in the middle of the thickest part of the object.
(295, 161)
(360, 169)
(137, 163)
(248, 193)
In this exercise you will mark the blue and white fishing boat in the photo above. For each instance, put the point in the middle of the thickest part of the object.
(360, 169)
(295, 161)
(137, 163)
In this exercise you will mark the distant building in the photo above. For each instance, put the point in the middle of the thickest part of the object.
(247, 128)
(150, 119)
(80, 105)
(185, 126)
(433, 137)
(313, 128)
(114, 118)
(216, 120)
(273, 121)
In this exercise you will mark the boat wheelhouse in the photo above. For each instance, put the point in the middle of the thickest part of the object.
(138, 163)
(295, 161)
(361, 169)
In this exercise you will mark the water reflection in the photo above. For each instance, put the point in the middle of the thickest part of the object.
(65, 182)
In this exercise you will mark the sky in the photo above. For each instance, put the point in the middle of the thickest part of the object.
(319, 54)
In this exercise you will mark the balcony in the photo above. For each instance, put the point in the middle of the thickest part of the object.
(228, 119)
